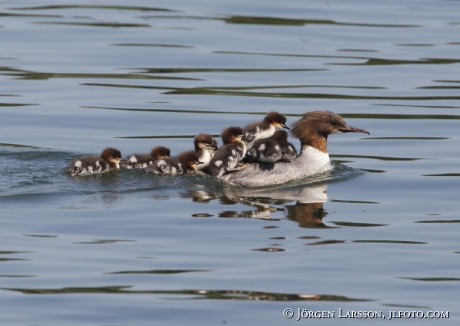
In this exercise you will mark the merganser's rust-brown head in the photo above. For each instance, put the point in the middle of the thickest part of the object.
(276, 119)
(231, 135)
(160, 152)
(280, 135)
(113, 156)
(204, 141)
(315, 126)
(190, 161)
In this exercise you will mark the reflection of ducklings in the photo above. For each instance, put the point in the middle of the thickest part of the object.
(184, 163)
(288, 150)
(143, 160)
(230, 154)
(265, 151)
(109, 160)
(205, 147)
(263, 129)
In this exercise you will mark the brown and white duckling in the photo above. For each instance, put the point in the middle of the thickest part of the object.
(265, 151)
(109, 160)
(288, 150)
(263, 129)
(138, 161)
(230, 154)
(184, 163)
(190, 162)
(205, 147)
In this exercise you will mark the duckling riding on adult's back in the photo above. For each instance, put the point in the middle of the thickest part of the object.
(312, 130)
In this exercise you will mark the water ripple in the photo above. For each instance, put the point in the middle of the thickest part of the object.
(196, 294)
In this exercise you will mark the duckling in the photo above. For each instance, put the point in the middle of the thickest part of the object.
(288, 150)
(109, 160)
(230, 154)
(184, 163)
(265, 151)
(139, 161)
(190, 162)
(205, 147)
(263, 129)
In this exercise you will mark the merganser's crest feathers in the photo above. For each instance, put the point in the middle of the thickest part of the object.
(315, 126)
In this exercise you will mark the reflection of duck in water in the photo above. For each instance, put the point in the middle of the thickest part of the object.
(307, 211)
(138, 161)
(312, 131)
(109, 160)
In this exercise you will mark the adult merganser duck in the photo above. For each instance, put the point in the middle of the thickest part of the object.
(230, 154)
(205, 147)
(185, 163)
(263, 129)
(312, 130)
(109, 160)
(288, 150)
(139, 161)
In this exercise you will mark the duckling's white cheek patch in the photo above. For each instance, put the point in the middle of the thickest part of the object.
(218, 163)
(261, 148)
(132, 159)
(77, 164)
